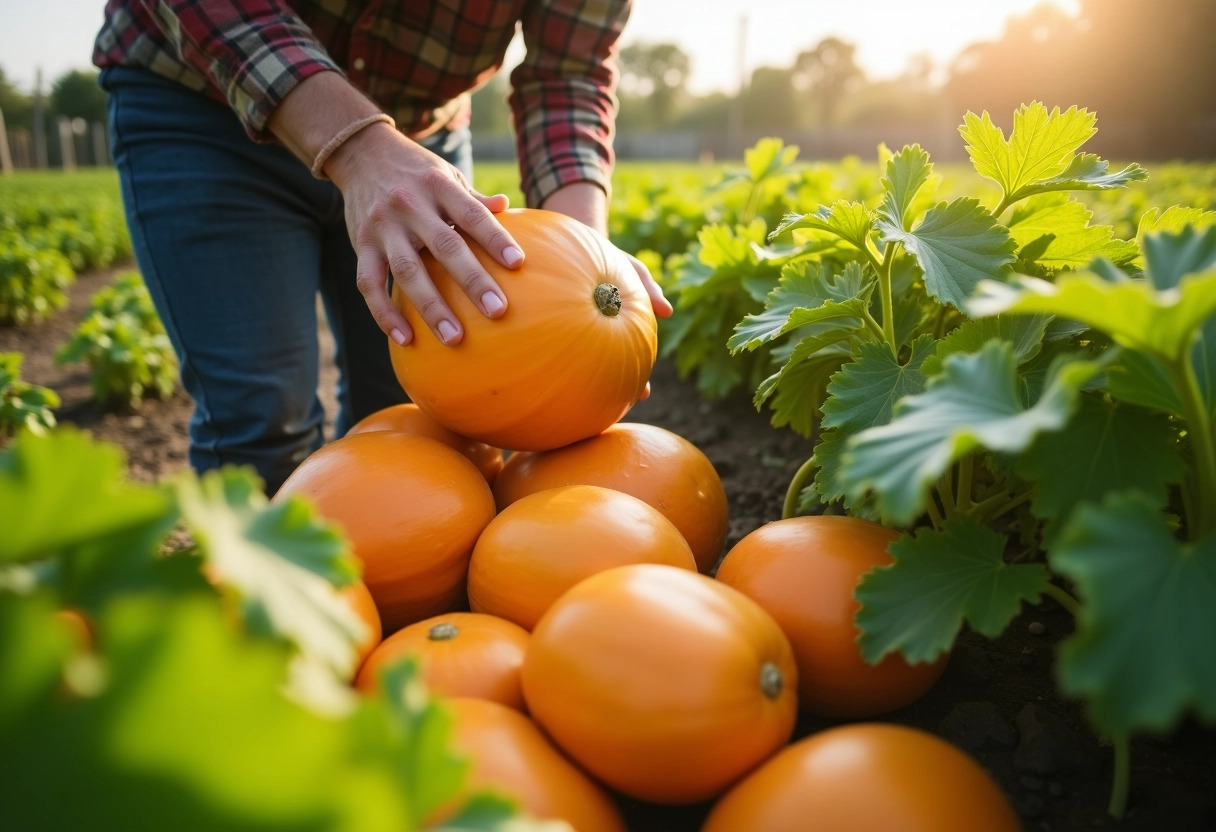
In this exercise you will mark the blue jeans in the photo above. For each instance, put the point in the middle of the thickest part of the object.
(235, 239)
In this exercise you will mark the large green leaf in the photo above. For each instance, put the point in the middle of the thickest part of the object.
(1041, 152)
(1144, 652)
(1132, 312)
(956, 245)
(1105, 447)
(806, 296)
(865, 391)
(1170, 257)
(281, 562)
(906, 173)
(62, 489)
(1057, 229)
(850, 221)
(1023, 332)
(974, 403)
(939, 580)
(798, 391)
(182, 727)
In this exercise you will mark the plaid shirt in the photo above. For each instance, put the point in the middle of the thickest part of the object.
(418, 60)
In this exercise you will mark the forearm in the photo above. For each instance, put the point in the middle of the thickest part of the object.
(315, 111)
(584, 201)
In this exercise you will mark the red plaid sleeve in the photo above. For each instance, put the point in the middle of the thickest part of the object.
(255, 52)
(563, 97)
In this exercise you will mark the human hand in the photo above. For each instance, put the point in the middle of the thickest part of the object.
(401, 198)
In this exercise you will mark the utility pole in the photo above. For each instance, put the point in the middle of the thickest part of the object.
(39, 123)
(734, 129)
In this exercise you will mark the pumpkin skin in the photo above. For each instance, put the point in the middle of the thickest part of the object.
(803, 571)
(866, 776)
(460, 654)
(359, 598)
(539, 547)
(655, 465)
(409, 418)
(412, 510)
(662, 683)
(509, 754)
(554, 368)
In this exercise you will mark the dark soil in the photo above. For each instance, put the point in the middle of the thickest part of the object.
(997, 699)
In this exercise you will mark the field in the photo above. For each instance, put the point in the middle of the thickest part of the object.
(1004, 697)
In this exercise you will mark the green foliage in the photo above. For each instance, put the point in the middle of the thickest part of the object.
(1028, 395)
(23, 405)
(181, 708)
(124, 343)
(33, 280)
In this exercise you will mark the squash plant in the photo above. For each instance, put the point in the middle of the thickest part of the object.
(124, 344)
(160, 699)
(1030, 399)
(22, 404)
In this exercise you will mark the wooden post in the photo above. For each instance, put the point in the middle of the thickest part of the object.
(6, 160)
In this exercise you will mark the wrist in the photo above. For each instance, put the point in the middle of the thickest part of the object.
(352, 155)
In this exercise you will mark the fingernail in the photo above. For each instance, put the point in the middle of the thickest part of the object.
(512, 255)
(493, 303)
(398, 336)
(448, 332)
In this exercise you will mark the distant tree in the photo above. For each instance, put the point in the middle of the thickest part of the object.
(769, 102)
(75, 94)
(657, 73)
(18, 108)
(827, 73)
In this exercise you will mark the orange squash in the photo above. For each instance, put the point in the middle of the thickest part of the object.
(412, 510)
(570, 355)
(653, 464)
(359, 597)
(460, 654)
(545, 543)
(409, 418)
(510, 755)
(661, 682)
(803, 571)
(866, 776)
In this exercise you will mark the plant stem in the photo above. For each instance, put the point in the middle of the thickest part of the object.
(992, 508)
(945, 489)
(753, 204)
(966, 468)
(1005, 203)
(1203, 450)
(873, 326)
(790, 507)
(1062, 598)
(1120, 777)
(935, 516)
(888, 301)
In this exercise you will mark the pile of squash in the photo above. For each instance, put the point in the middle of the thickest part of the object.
(561, 601)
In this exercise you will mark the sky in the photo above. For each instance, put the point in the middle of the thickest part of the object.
(57, 35)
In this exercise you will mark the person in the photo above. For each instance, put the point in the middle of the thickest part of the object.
(270, 150)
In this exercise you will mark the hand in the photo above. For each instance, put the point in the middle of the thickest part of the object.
(401, 198)
(662, 306)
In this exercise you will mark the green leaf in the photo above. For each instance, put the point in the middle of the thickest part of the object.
(1104, 447)
(1170, 257)
(805, 296)
(798, 391)
(181, 726)
(1058, 230)
(1023, 332)
(1173, 220)
(1144, 651)
(1041, 153)
(865, 391)
(281, 562)
(769, 157)
(62, 489)
(851, 221)
(957, 245)
(940, 579)
(973, 404)
(1132, 312)
(906, 173)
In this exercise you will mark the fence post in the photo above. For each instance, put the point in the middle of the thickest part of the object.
(67, 143)
(6, 161)
(101, 150)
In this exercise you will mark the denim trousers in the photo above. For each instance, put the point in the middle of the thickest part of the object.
(235, 239)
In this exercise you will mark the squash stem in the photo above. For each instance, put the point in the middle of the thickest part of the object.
(966, 470)
(1120, 777)
(1063, 598)
(1203, 449)
(888, 301)
(801, 477)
